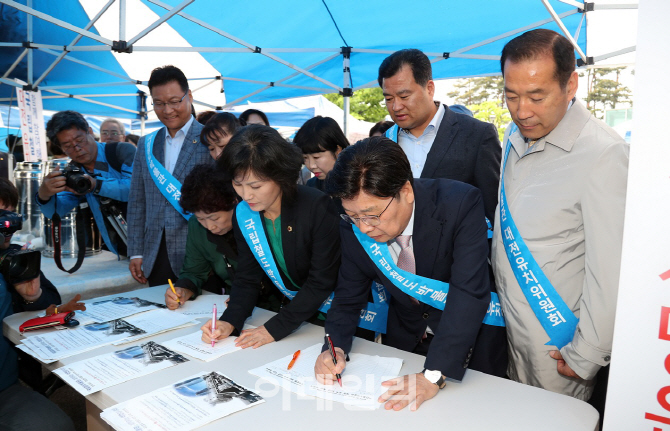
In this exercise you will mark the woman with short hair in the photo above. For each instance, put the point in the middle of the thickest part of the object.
(321, 141)
(293, 230)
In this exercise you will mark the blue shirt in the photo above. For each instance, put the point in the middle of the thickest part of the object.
(111, 184)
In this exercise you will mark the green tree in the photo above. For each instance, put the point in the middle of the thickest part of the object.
(490, 111)
(604, 92)
(474, 91)
(365, 104)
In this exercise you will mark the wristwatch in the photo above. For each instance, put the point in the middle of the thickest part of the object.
(435, 377)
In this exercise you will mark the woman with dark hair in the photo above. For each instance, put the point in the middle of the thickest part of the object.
(254, 116)
(210, 245)
(286, 231)
(218, 131)
(321, 141)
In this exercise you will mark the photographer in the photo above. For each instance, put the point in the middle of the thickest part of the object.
(98, 170)
(20, 407)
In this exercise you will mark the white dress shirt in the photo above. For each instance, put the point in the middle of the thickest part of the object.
(416, 149)
(173, 145)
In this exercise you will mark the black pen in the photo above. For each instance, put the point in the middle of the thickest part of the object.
(331, 348)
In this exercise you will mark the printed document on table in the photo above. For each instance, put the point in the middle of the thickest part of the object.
(61, 344)
(193, 345)
(100, 372)
(185, 405)
(202, 306)
(115, 308)
(361, 380)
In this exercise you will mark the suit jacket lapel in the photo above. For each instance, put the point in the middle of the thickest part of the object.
(443, 140)
(187, 150)
(159, 146)
(288, 237)
(427, 231)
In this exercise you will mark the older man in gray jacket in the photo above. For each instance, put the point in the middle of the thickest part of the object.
(157, 226)
(559, 226)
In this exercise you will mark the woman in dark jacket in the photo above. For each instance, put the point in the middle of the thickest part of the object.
(291, 230)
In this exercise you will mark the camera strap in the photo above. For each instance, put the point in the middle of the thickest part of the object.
(81, 239)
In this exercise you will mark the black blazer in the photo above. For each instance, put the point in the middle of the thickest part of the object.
(311, 244)
(467, 150)
(450, 244)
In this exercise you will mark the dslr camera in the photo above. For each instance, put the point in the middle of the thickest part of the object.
(76, 179)
(16, 265)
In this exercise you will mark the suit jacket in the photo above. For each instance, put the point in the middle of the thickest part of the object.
(450, 245)
(311, 244)
(149, 213)
(468, 150)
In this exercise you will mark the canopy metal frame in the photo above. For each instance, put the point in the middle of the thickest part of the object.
(331, 53)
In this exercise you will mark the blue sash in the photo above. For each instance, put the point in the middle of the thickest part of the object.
(392, 134)
(424, 289)
(372, 318)
(168, 185)
(558, 321)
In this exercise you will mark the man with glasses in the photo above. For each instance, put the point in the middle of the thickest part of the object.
(157, 225)
(112, 130)
(108, 167)
(425, 240)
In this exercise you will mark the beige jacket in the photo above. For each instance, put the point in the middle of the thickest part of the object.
(567, 196)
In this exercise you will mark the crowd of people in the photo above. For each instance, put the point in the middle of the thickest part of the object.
(499, 258)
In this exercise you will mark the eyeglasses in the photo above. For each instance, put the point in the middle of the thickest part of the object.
(109, 133)
(371, 221)
(78, 142)
(159, 106)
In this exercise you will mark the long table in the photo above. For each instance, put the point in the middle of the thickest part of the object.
(99, 275)
(479, 402)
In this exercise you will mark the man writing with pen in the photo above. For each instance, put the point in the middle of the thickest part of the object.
(425, 240)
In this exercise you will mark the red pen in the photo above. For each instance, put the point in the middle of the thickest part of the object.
(213, 324)
(331, 348)
(295, 356)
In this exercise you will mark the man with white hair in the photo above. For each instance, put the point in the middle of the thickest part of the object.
(112, 130)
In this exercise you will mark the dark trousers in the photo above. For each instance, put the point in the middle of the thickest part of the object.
(23, 409)
(162, 270)
(599, 396)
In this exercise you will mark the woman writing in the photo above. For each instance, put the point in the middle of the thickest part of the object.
(293, 230)
(210, 244)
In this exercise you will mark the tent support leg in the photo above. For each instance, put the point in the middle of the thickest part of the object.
(565, 31)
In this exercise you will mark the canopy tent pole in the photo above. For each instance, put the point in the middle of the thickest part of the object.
(84, 99)
(565, 31)
(29, 38)
(251, 47)
(172, 12)
(614, 53)
(16, 63)
(122, 19)
(92, 66)
(74, 42)
(32, 12)
(104, 84)
(276, 83)
(347, 91)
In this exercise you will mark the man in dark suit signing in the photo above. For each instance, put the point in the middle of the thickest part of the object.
(157, 226)
(439, 143)
(414, 236)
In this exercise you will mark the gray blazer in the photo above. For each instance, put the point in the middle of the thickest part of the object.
(149, 213)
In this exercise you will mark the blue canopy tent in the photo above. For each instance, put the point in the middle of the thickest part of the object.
(261, 50)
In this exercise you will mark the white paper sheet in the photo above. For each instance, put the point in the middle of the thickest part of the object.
(100, 372)
(112, 309)
(61, 344)
(202, 306)
(193, 346)
(361, 380)
(186, 405)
